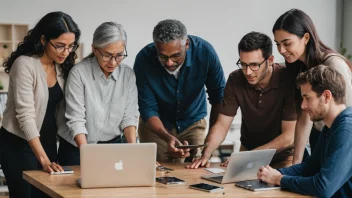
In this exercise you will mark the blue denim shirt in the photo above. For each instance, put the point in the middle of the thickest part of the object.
(328, 172)
(179, 102)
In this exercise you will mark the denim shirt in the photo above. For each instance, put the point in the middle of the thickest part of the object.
(328, 171)
(179, 102)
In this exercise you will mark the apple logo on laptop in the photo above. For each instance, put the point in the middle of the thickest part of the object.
(250, 165)
(119, 165)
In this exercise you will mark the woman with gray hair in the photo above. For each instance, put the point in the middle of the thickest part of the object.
(101, 96)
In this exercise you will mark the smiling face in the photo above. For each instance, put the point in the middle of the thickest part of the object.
(116, 49)
(255, 58)
(65, 40)
(315, 106)
(290, 46)
(172, 55)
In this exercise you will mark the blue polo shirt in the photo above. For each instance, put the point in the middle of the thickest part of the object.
(179, 102)
(328, 171)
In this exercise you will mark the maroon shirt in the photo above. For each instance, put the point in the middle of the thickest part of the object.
(262, 110)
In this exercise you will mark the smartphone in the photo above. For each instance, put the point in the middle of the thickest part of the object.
(191, 146)
(206, 187)
(67, 170)
(170, 180)
(163, 168)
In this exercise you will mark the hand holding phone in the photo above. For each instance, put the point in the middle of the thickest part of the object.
(67, 170)
(206, 187)
(191, 146)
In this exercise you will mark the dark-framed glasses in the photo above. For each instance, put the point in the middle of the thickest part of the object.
(252, 66)
(108, 57)
(174, 58)
(60, 49)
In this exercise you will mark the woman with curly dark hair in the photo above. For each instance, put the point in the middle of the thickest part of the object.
(35, 108)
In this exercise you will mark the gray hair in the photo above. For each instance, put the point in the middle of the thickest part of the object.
(107, 33)
(170, 30)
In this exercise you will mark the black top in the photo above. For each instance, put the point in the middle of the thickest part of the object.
(49, 129)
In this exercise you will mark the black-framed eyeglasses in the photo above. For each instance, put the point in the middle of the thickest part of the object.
(118, 58)
(61, 49)
(174, 58)
(252, 66)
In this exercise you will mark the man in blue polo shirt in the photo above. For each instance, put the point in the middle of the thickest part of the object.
(328, 171)
(171, 74)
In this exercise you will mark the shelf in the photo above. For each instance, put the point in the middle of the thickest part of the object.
(5, 32)
(20, 31)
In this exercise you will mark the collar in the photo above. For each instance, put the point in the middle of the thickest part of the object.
(174, 73)
(188, 60)
(345, 113)
(97, 72)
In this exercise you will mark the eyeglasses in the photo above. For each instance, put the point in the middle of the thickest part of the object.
(118, 58)
(253, 66)
(174, 58)
(61, 49)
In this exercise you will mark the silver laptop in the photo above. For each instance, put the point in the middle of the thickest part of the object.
(117, 165)
(242, 169)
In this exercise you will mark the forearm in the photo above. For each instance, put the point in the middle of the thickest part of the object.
(158, 128)
(80, 139)
(215, 137)
(284, 140)
(214, 113)
(38, 151)
(302, 132)
(279, 143)
(130, 134)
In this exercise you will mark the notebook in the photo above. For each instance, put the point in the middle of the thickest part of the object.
(242, 169)
(117, 165)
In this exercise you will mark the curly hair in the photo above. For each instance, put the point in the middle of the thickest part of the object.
(51, 26)
(169, 30)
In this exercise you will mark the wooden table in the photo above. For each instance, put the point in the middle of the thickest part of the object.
(67, 186)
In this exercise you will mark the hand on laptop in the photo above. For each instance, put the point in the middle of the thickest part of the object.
(200, 162)
(269, 175)
(175, 152)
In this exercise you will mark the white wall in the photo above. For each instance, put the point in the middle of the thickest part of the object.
(347, 26)
(222, 22)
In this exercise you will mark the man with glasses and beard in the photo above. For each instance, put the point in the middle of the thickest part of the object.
(171, 74)
(260, 90)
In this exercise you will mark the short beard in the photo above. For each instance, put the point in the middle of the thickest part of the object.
(321, 112)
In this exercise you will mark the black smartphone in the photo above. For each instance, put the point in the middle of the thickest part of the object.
(206, 187)
(170, 180)
(191, 146)
(163, 168)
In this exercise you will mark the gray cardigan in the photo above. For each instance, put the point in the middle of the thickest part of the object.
(28, 96)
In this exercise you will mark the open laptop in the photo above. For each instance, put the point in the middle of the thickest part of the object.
(117, 165)
(242, 169)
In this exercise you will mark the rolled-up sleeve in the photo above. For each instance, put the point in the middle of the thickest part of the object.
(215, 82)
(75, 108)
(22, 82)
(148, 106)
(131, 114)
